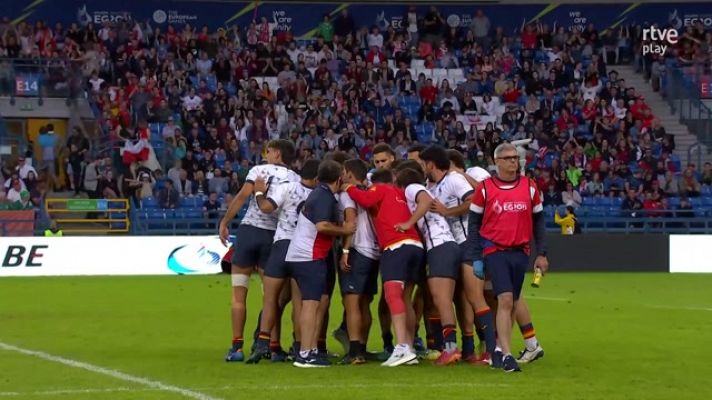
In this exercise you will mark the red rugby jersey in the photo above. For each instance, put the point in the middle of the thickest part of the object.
(388, 207)
(508, 208)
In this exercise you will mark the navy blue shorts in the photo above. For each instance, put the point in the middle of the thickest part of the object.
(252, 246)
(444, 261)
(507, 269)
(403, 264)
(363, 277)
(467, 253)
(276, 266)
(310, 277)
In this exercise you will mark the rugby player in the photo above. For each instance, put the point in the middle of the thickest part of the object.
(358, 267)
(254, 236)
(288, 199)
(453, 194)
(443, 256)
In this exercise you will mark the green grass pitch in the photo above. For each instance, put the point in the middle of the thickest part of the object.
(606, 336)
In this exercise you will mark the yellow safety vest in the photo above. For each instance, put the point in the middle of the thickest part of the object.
(49, 232)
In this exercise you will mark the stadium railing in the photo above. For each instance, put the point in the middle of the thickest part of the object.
(682, 89)
(41, 77)
(90, 216)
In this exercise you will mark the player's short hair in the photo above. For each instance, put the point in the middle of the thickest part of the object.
(383, 148)
(396, 163)
(382, 175)
(310, 169)
(409, 176)
(456, 158)
(358, 168)
(338, 156)
(437, 155)
(412, 164)
(502, 148)
(286, 149)
(329, 171)
(418, 147)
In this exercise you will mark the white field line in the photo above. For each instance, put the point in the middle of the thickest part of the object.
(688, 308)
(108, 372)
(546, 298)
(57, 392)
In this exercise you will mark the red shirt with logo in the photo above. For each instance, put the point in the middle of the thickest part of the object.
(507, 209)
(388, 207)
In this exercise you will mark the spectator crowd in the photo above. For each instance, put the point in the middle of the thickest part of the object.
(186, 111)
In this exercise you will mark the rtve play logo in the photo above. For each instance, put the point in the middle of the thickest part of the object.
(656, 40)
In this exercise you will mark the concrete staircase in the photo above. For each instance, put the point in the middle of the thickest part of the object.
(684, 140)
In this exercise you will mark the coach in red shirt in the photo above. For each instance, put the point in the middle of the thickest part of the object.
(506, 212)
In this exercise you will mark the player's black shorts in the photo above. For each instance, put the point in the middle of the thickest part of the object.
(276, 266)
(363, 277)
(467, 253)
(310, 277)
(507, 269)
(405, 264)
(252, 246)
(444, 261)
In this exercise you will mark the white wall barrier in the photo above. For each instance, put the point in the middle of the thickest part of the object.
(691, 253)
(126, 255)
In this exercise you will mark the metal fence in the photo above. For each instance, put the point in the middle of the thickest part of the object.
(682, 86)
(40, 77)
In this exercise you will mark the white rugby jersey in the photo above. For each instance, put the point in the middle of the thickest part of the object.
(434, 228)
(364, 240)
(275, 175)
(452, 190)
(478, 174)
(288, 199)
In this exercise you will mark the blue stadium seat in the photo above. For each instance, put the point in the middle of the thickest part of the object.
(149, 202)
(696, 202)
(189, 202)
(156, 214)
(673, 201)
(707, 202)
(194, 213)
(706, 190)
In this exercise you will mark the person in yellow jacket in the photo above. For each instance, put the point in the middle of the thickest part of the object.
(567, 222)
(53, 231)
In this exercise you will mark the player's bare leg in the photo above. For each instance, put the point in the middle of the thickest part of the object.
(272, 288)
(296, 313)
(240, 282)
(474, 288)
(384, 319)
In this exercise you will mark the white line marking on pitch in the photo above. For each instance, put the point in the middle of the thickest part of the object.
(109, 372)
(688, 308)
(546, 298)
(57, 392)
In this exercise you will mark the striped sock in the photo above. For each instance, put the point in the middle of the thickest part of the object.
(484, 316)
(436, 329)
(449, 333)
(275, 346)
(237, 343)
(529, 336)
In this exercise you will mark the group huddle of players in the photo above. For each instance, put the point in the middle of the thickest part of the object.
(408, 220)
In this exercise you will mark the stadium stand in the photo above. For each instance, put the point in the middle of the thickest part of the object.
(195, 109)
